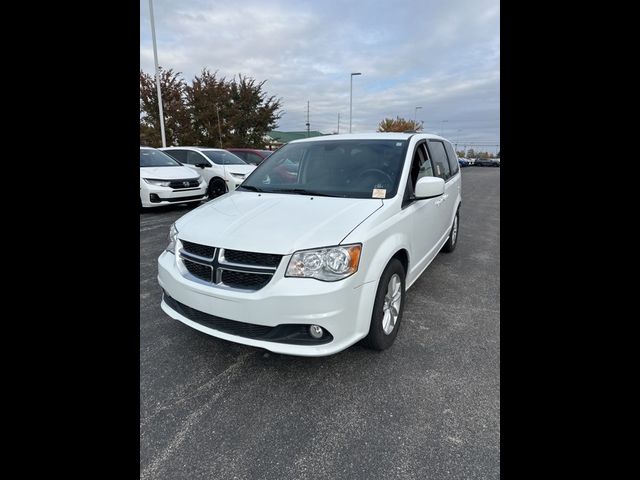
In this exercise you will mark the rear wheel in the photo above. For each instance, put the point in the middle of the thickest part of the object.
(387, 308)
(452, 241)
(217, 187)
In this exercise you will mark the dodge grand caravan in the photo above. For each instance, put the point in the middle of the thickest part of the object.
(316, 249)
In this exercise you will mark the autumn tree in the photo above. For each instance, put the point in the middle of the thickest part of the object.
(177, 120)
(398, 125)
(208, 99)
(252, 114)
(209, 112)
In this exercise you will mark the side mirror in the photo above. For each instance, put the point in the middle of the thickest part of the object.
(429, 187)
(201, 165)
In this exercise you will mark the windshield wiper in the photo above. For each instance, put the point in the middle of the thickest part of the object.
(250, 187)
(302, 191)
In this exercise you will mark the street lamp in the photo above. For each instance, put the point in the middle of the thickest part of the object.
(415, 116)
(351, 99)
(155, 59)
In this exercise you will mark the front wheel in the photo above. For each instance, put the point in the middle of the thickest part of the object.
(452, 241)
(217, 187)
(387, 308)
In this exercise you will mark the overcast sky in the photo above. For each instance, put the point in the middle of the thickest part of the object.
(443, 56)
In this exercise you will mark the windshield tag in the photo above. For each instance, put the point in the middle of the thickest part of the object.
(379, 193)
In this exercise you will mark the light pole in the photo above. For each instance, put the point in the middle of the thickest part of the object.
(415, 116)
(155, 59)
(219, 129)
(351, 99)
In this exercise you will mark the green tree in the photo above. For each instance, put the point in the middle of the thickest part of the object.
(398, 125)
(471, 153)
(177, 120)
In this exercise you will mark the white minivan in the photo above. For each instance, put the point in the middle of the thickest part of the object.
(222, 170)
(316, 249)
(163, 181)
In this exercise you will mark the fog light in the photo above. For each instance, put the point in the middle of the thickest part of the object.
(315, 331)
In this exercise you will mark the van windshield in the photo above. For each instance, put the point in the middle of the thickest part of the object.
(335, 168)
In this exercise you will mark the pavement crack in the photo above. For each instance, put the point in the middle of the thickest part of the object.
(156, 464)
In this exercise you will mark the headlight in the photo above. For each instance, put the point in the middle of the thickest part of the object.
(238, 176)
(200, 179)
(328, 264)
(173, 238)
(159, 183)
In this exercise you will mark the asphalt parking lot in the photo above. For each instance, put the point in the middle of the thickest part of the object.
(429, 407)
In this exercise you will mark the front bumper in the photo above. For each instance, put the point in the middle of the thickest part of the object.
(342, 308)
(233, 183)
(154, 196)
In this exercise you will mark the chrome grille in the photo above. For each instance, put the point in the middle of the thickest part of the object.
(228, 268)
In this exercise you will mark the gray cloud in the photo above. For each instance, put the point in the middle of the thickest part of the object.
(441, 55)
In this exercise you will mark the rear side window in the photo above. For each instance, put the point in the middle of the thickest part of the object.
(453, 158)
(179, 155)
(439, 158)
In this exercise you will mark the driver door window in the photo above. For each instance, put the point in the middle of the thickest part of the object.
(179, 155)
(420, 167)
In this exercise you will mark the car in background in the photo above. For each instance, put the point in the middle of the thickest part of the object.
(250, 155)
(487, 162)
(164, 181)
(463, 162)
(222, 170)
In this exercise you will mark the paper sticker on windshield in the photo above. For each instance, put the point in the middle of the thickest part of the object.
(379, 193)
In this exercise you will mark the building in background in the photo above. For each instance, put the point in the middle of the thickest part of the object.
(275, 138)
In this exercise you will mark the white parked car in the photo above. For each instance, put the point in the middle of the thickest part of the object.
(222, 170)
(316, 249)
(163, 181)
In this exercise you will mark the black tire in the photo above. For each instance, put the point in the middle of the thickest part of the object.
(452, 241)
(217, 187)
(377, 339)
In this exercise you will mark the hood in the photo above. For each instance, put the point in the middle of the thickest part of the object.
(274, 223)
(241, 169)
(167, 173)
